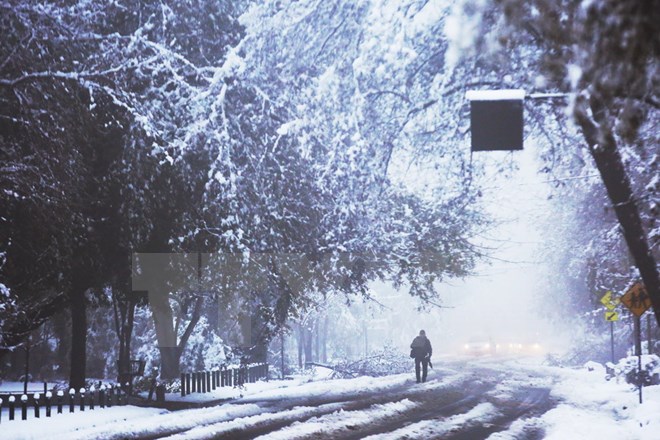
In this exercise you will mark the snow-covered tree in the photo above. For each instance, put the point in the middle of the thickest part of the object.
(604, 53)
(175, 127)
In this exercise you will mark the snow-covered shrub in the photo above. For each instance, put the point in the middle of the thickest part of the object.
(205, 349)
(628, 368)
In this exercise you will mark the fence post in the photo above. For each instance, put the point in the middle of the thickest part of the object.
(49, 395)
(36, 397)
(0, 409)
(110, 396)
(24, 399)
(183, 384)
(92, 393)
(82, 399)
(187, 383)
(102, 396)
(213, 374)
(60, 398)
(12, 402)
(208, 381)
(194, 382)
(72, 392)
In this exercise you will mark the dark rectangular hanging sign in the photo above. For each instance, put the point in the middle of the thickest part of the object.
(496, 119)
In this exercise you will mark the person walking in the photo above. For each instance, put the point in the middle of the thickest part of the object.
(421, 350)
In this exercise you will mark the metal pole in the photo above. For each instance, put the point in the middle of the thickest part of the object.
(649, 347)
(638, 349)
(612, 338)
(548, 95)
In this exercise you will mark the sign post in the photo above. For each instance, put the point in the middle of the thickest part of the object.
(610, 315)
(638, 302)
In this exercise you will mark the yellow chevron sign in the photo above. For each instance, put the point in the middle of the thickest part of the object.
(610, 301)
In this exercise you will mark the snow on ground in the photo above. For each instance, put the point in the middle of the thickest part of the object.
(482, 413)
(66, 425)
(228, 393)
(287, 416)
(7, 386)
(341, 422)
(588, 407)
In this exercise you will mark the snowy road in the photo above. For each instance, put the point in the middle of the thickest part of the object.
(459, 401)
(486, 398)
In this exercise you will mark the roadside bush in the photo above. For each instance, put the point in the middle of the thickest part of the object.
(388, 360)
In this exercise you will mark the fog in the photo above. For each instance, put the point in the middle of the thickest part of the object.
(501, 300)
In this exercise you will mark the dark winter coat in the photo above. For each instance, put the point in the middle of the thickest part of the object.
(421, 347)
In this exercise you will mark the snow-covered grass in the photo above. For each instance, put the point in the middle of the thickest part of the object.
(587, 407)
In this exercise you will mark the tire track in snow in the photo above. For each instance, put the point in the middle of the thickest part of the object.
(482, 413)
(340, 423)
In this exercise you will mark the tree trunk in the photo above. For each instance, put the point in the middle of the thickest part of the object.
(324, 341)
(159, 303)
(78, 339)
(301, 343)
(317, 341)
(61, 330)
(170, 362)
(124, 309)
(603, 148)
(308, 345)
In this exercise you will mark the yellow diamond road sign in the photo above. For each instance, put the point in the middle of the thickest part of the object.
(636, 299)
(609, 301)
(611, 316)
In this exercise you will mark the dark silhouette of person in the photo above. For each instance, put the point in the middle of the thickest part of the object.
(421, 351)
